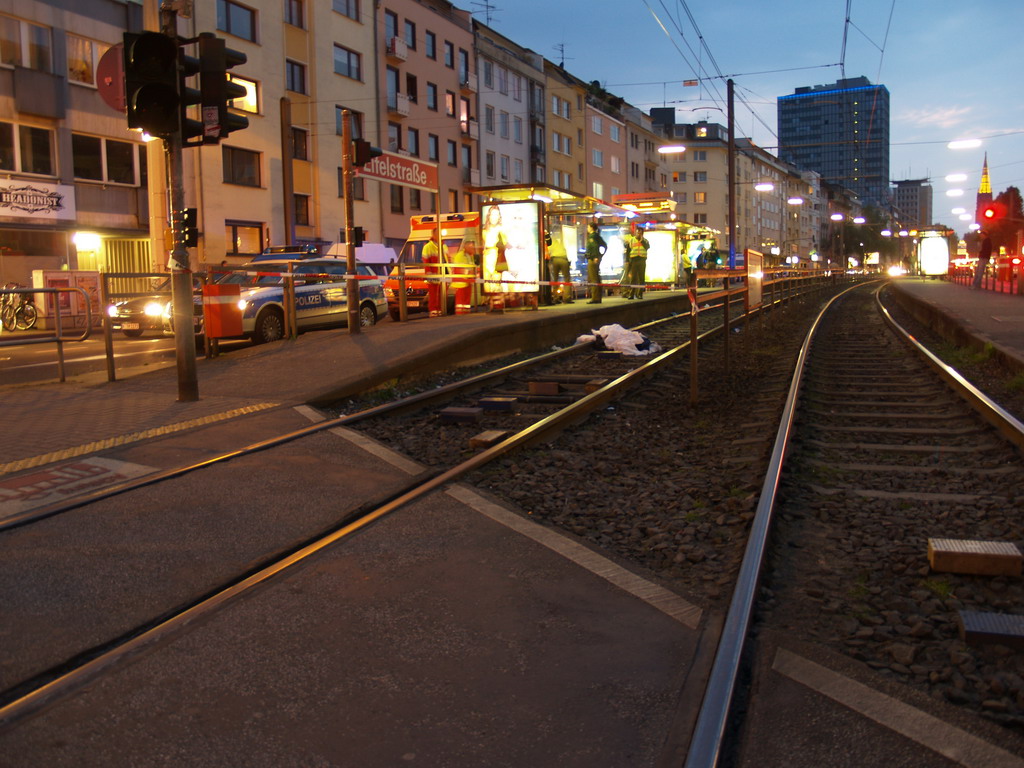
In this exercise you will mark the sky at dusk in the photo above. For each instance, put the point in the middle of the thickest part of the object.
(953, 69)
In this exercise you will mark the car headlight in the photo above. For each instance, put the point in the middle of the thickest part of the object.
(154, 308)
(389, 293)
(242, 304)
(112, 310)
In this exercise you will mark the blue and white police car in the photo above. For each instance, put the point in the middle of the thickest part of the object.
(321, 295)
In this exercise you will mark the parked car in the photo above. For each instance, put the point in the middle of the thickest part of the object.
(321, 296)
(138, 314)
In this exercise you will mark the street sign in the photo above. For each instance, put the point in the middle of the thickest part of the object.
(401, 170)
(110, 77)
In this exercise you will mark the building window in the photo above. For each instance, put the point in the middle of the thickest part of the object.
(615, 164)
(415, 200)
(83, 57)
(244, 238)
(453, 153)
(597, 125)
(614, 132)
(517, 171)
(598, 157)
(356, 119)
(432, 97)
(414, 142)
(489, 165)
(397, 199)
(358, 186)
(104, 160)
(449, 103)
(517, 87)
(502, 81)
(700, 218)
(236, 19)
(348, 8)
(489, 119)
(681, 199)
(449, 55)
(504, 167)
(488, 74)
(598, 190)
(250, 102)
(700, 198)
(347, 63)
(679, 176)
(410, 35)
(394, 137)
(517, 130)
(300, 143)
(390, 26)
(430, 43)
(700, 155)
(463, 66)
(411, 87)
(32, 152)
(433, 148)
(294, 13)
(241, 166)
(503, 124)
(25, 45)
(700, 177)
(295, 76)
(301, 208)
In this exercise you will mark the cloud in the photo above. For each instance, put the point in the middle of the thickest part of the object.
(948, 117)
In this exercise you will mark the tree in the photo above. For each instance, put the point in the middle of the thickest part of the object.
(1004, 229)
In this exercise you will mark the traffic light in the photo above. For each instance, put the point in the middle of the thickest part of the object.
(363, 152)
(357, 236)
(151, 83)
(993, 212)
(188, 221)
(187, 97)
(217, 91)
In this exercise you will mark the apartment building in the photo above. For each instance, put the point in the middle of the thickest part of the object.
(428, 102)
(566, 126)
(605, 152)
(511, 109)
(72, 176)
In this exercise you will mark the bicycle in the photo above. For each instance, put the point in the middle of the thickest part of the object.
(16, 311)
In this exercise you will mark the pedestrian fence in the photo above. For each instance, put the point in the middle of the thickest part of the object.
(61, 319)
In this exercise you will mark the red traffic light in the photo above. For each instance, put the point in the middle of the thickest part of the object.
(993, 211)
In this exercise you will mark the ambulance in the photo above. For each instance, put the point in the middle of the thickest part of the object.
(455, 230)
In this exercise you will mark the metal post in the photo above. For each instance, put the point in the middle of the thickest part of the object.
(692, 291)
(732, 177)
(181, 275)
(351, 284)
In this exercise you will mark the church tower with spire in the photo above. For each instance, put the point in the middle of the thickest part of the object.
(984, 192)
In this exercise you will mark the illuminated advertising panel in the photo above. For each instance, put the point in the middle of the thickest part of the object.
(614, 258)
(661, 266)
(934, 255)
(511, 253)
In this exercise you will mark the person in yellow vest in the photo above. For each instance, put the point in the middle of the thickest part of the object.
(431, 259)
(561, 282)
(636, 268)
(464, 277)
(686, 263)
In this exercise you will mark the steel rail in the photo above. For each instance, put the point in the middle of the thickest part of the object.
(134, 642)
(1007, 425)
(706, 742)
(417, 400)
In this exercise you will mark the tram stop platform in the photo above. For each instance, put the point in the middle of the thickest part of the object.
(454, 632)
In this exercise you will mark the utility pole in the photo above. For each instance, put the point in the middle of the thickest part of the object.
(181, 275)
(352, 286)
(731, 224)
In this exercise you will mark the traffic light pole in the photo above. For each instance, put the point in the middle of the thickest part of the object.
(352, 285)
(181, 276)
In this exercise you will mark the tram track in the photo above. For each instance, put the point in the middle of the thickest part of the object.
(157, 612)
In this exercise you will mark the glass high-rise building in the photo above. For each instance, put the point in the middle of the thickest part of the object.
(842, 132)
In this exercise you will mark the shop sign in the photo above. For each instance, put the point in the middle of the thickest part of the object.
(401, 170)
(37, 200)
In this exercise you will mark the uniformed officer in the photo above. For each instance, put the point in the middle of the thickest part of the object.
(636, 268)
(596, 246)
(559, 266)
(464, 277)
(432, 259)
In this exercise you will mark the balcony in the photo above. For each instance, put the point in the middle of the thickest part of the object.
(471, 177)
(398, 104)
(397, 49)
(470, 129)
(468, 82)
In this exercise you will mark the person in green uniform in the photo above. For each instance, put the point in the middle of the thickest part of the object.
(596, 246)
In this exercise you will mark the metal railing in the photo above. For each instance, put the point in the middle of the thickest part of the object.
(57, 337)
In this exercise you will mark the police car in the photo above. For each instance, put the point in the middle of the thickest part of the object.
(321, 295)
